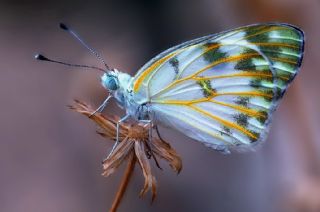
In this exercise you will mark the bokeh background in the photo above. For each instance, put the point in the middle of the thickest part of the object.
(50, 157)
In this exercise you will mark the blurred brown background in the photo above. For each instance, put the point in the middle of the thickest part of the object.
(50, 156)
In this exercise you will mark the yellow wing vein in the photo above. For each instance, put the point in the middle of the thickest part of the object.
(275, 44)
(201, 129)
(247, 73)
(224, 122)
(249, 93)
(251, 112)
(242, 109)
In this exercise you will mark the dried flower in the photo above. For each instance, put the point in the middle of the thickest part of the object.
(134, 147)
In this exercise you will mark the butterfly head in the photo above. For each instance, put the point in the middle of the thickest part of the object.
(110, 80)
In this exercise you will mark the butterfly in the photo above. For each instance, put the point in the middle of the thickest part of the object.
(220, 89)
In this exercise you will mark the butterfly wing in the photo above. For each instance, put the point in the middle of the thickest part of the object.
(222, 89)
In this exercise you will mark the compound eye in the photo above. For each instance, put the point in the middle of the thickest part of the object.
(112, 83)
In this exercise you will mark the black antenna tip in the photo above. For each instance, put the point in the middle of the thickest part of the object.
(63, 26)
(40, 57)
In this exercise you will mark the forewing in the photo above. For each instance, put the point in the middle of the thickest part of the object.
(222, 89)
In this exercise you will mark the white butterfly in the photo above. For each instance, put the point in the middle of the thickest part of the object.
(220, 89)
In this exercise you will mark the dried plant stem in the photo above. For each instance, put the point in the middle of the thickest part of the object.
(124, 183)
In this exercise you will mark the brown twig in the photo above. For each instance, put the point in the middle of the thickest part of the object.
(124, 183)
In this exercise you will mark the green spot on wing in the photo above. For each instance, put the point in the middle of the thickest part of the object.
(270, 93)
(213, 54)
(225, 131)
(244, 101)
(253, 34)
(252, 30)
(279, 93)
(256, 134)
(256, 83)
(262, 119)
(174, 62)
(241, 119)
(206, 87)
(245, 64)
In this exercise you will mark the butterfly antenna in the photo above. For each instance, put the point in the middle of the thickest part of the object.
(43, 58)
(75, 35)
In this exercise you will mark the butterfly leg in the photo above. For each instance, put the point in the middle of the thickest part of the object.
(102, 106)
(117, 134)
(158, 133)
(149, 151)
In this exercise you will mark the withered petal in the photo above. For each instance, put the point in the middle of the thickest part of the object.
(106, 124)
(118, 156)
(149, 180)
(165, 151)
